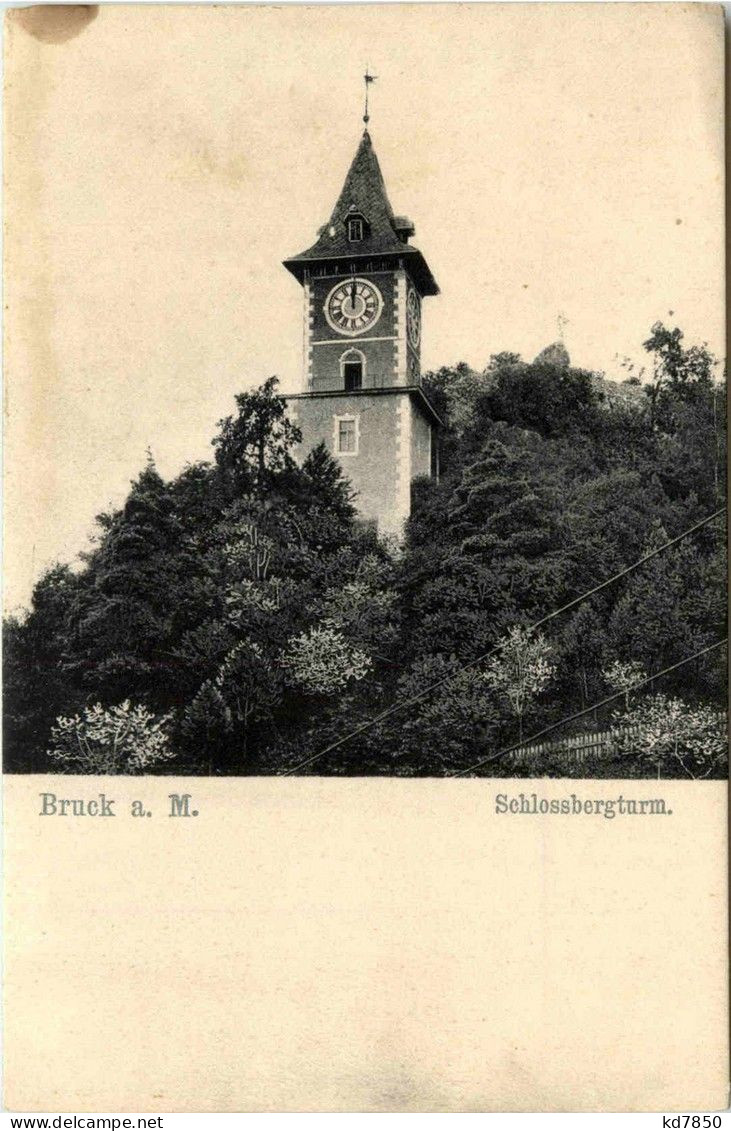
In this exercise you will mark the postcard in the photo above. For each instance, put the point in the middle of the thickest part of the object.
(365, 657)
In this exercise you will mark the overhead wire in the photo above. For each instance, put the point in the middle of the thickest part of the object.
(585, 711)
(402, 704)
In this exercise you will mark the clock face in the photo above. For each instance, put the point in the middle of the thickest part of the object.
(413, 318)
(353, 306)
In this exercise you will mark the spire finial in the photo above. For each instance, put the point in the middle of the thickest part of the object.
(367, 79)
(562, 322)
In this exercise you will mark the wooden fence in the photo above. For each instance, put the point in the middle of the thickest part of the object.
(576, 749)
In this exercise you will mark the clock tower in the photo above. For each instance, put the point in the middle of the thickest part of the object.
(363, 284)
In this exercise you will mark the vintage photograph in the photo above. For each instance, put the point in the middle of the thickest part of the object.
(377, 399)
(365, 646)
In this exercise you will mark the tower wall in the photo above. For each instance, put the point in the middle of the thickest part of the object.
(422, 440)
(389, 357)
(393, 445)
(379, 364)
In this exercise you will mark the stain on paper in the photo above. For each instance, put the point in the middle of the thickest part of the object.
(55, 23)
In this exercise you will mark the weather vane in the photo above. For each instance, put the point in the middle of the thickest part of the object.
(367, 79)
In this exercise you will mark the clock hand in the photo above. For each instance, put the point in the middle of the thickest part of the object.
(352, 296)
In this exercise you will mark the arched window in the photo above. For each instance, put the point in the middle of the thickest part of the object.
(352, 370)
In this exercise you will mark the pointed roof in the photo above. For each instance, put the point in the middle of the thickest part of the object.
(364, 193)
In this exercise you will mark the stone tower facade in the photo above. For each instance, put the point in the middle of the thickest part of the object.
(363, 284)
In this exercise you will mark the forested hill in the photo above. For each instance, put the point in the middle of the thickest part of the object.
(237, 620)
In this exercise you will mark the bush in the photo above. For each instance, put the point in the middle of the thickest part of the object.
(116, 740)
(670, 734)
(321, 662)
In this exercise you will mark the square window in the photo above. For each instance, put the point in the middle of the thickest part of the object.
(347, 436)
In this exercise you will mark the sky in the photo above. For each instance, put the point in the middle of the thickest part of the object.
(161, 162)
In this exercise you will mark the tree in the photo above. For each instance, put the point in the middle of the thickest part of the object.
(197, 498)
(322, 662)
(672, 607)
(457, 610)
(448, 729)
(126, 608)
(225, 714)
(254, 446)
(623, 675)
(505, 515)
(669, 734)
(520, 671)
(607, 522)
(243, 599)
(581, 646)
(454, 392)
(365, 608)
(122, 739)
(36, 683)
(326, 486)
(546, 395)
(678, 373)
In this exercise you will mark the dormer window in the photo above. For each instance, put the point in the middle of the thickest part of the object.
(355, 229)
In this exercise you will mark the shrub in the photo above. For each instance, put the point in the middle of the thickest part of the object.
(322, 661)
(110, 740)
(669, 733)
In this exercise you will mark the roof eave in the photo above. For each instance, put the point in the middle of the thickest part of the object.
(372, 391)
(429, 406)
(297, 264)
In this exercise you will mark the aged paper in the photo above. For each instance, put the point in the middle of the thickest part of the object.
(303, 929)
(291, 949)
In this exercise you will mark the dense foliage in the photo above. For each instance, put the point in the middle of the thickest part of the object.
(239, 620)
